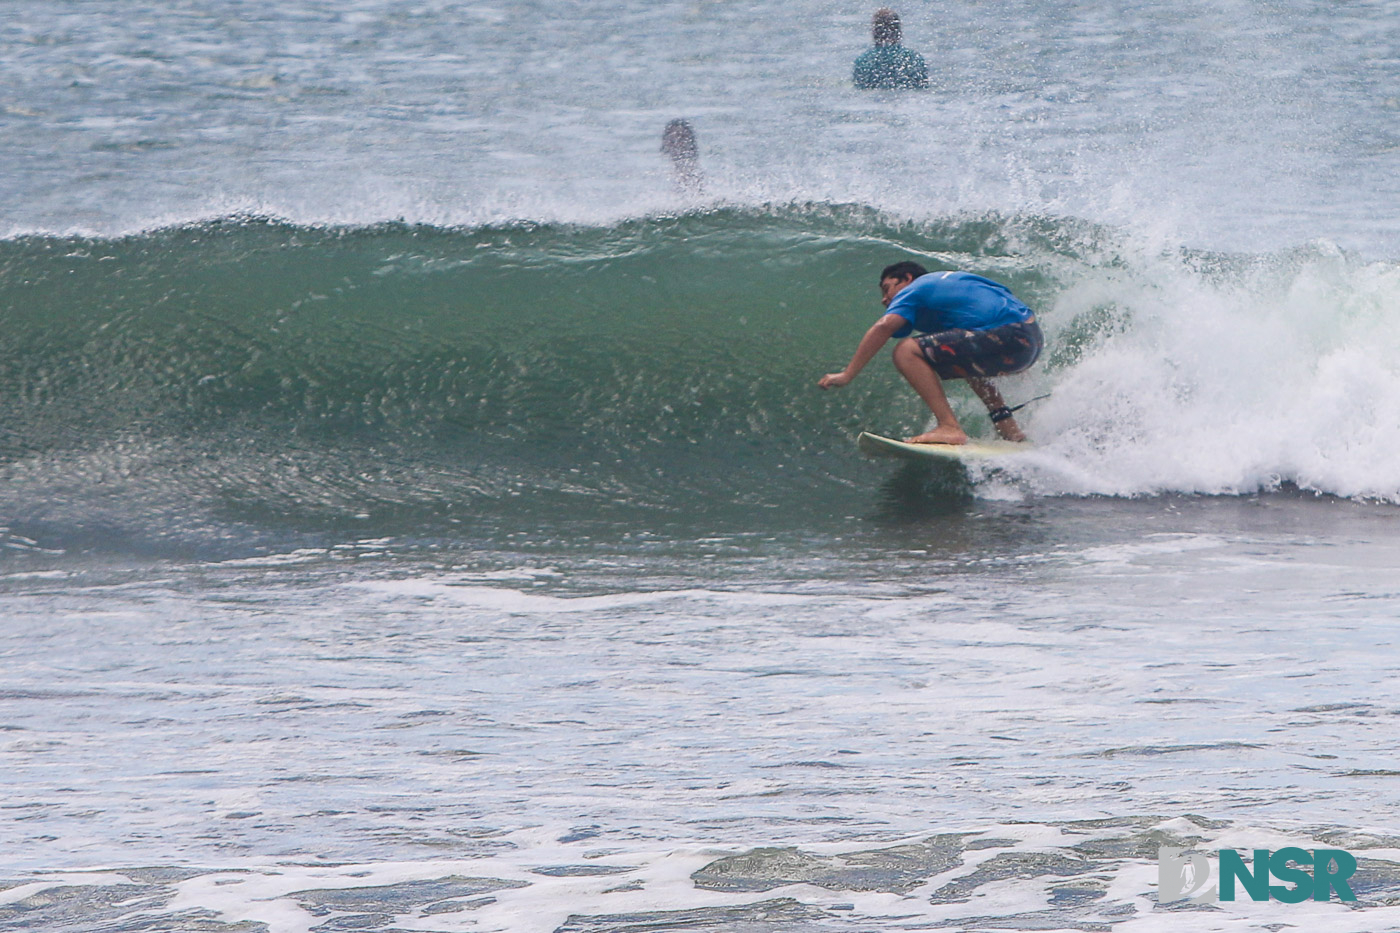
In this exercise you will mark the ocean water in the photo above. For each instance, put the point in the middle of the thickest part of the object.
(417, 510)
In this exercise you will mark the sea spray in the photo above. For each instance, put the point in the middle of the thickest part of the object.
(1228, 375)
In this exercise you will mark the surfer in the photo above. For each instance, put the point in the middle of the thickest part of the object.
(969, 328)
(889, 65)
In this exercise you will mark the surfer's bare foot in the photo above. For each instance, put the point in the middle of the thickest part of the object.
(1010, 430)
(940, 435)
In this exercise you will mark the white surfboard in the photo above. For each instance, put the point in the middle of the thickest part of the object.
(873, 445)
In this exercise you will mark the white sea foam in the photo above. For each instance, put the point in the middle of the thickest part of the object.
(644, 883)
(1226, 383)
(468, 591)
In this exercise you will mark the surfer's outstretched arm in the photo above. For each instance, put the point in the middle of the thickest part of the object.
(876, 337)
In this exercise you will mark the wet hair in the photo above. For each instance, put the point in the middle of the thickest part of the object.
(885, 28)
(678, 141)
(900, 269)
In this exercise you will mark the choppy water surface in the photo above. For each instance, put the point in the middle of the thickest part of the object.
(1000, 718)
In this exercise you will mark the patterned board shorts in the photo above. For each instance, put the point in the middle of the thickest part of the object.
(964, 354)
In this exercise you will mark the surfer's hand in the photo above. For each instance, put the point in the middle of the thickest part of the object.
(833, 380)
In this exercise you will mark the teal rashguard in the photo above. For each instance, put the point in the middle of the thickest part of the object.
(890, 67)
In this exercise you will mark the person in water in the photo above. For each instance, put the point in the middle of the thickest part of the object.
(889, 65)
(969, 328)
(678, 142)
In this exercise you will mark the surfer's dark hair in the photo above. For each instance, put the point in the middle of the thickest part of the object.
(678, 141)
(885, 28)
(900, 269)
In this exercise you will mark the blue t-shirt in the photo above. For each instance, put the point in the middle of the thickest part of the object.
(955, 300)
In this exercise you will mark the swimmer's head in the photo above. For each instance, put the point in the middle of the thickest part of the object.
(678, 141)
(885, 27)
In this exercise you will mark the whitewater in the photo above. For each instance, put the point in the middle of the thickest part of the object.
(417, 509)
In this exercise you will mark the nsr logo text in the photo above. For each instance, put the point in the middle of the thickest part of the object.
(1182, 873)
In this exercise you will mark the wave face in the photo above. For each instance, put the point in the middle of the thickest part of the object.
(205, 381)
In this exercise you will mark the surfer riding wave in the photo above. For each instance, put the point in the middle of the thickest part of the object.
(969, 327)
